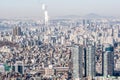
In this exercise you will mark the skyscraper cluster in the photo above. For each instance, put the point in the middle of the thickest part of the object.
(90, 61)
(73, 49)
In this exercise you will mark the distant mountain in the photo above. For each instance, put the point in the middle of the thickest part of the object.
(69, 16)
(92, 15)
(89, 16)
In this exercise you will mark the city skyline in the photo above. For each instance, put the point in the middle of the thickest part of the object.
(32, 8)
(59, 40)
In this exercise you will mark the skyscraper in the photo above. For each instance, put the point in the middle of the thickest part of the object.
(90, 61)
(77, 52)
(108, 60)
(18, 67)
(17, 31)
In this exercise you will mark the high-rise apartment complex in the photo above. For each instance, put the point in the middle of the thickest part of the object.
(108, 60)
(90, 61)
(17, 31)
(77, 52)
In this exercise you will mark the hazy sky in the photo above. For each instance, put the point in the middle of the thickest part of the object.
(32, 8)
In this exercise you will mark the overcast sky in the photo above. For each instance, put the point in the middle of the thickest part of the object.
(32, 8)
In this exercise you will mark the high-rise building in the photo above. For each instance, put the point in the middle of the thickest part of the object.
(108, 60)
(17, 31)
(18, 67)
(14, 31)
(90, 61)
(77, 52)
(84, 22)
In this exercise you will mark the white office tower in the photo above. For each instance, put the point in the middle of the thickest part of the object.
(46, 17)
(108, 60)
(77, 52)
(81, 40)
(62, 40)
(44, 8)
(115, 33)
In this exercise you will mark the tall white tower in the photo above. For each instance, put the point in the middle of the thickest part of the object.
(46, 18)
